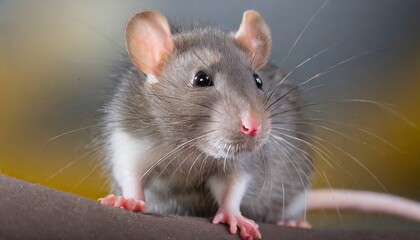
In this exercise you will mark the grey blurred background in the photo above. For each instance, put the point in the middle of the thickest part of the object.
(56, 56)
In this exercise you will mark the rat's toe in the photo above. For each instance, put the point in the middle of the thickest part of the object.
(129, 204)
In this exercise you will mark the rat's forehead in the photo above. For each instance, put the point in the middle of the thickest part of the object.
(210, 43)
(208, 49)
(206, 55)
(211, 56)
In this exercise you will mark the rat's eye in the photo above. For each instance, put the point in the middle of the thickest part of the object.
(258, 81)
(202, 79)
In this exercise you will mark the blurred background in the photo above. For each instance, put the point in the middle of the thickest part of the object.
(56, 56)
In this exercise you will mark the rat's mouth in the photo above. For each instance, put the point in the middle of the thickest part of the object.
(218, 144)
(229, 150)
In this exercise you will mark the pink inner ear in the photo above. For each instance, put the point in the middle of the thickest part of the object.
(148, 41)
(153, 49)
(254, 35)
(253, 45)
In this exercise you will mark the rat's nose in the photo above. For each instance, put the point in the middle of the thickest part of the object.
(251, 130)
(250, 124)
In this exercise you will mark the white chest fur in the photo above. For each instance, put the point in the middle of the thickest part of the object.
(128, 161)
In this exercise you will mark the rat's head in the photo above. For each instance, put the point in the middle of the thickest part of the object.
(202, 84)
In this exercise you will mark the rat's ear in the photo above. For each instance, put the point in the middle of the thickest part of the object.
(148, 40)
(255, 37)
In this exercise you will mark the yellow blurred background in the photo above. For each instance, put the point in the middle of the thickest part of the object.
(56, 56)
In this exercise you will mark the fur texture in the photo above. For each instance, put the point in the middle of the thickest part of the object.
(192, 133)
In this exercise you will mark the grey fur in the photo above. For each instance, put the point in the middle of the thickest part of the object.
(173, 112)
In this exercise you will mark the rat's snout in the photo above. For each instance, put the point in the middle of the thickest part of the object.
(250, 123)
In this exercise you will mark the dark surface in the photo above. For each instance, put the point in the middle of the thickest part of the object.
(30, 211)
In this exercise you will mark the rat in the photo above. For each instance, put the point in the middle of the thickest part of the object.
(201, 124)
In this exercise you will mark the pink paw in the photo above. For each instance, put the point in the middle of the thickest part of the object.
(249, 229)
(294, 223)
(125, 203)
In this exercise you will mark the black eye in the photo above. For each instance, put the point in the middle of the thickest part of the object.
(258, 81)
(202, 79)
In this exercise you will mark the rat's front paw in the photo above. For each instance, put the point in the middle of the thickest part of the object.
(129, 204)
(294, 223)
(248, 228)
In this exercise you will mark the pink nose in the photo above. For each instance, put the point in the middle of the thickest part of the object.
(251, 125)
(250, 130)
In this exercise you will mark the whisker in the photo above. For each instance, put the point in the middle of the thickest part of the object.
(358, 162)
(303, 31)
(70, 132)
(264, 160)
(86, 177)
(277, 145)
(330, 68)
(106, 182)
(203, 164)
(305, 207)
(175, 158)
(180, 165)
(283, 200)
(171, 152)
(285, 100)
(67, 166)
(354, 140)
(104, 123)
(311, 164)
(359, 128)
(325, 71)
(387, 107)
(317, 140)
(332, 194)
(312, 146)
(287, 154)
(296, 68)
